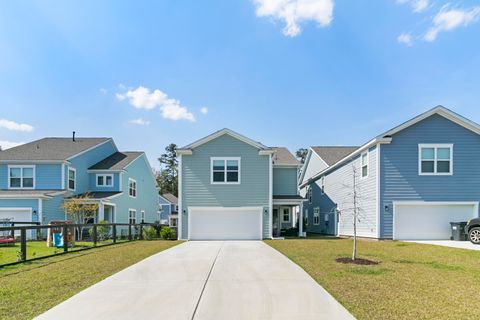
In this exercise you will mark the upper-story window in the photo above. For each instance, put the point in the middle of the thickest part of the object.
(104, 180)
(225, 170)
(310, 194)
(132, 188)
(322, 186)
(365, 164)
(72, 179)
(21, 177)
(435, 159)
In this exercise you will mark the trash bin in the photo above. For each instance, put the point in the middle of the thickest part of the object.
(458, 231)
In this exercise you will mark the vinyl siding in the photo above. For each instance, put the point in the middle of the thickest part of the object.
(197, 189)
(22, 203)
(47, 176)
(52, 209)
(93, 182)
(285, 181)
(399, 167)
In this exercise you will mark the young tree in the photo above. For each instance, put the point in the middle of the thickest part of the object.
(80, 209)
(301, 154)
(167, 178)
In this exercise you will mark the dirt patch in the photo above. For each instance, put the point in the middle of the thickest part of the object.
(358, 261)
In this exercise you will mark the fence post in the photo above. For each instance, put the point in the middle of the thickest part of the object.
(158, 228)
(65, 238)
(94, 235)
(114, 233)
(23, 244)
(129, 232)
(140, 236)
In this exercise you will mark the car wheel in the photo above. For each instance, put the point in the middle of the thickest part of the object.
(474, 235)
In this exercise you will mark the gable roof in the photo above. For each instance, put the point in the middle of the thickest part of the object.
(117, 161)
(170, 198)
(332, 154)
(51, 149)
(220, 133)
(283, 157)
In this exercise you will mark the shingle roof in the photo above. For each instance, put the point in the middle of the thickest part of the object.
(284, 157)
(55, 149)
(96, 195)
(332, 155)
(170, 198)
(117, 161)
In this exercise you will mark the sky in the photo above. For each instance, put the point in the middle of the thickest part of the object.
(292, 73)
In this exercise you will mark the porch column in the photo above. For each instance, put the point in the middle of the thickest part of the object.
(101, 212)
(300, 221)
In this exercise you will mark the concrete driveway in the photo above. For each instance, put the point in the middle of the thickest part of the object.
(452, 244)
(206, 280)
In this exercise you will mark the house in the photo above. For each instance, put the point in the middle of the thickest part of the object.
(36, 178)
(409, 182)
(232, 187)
(169, 209)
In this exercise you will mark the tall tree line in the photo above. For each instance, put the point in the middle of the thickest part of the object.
(167, 177)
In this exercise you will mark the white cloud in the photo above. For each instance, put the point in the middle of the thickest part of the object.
(293, 12)
(204, 110)
(450, 18)
(406, 39)
(15, 126)
(142, 98)
(103, 91)
(417, 5)
(140, 122)
(9, 144)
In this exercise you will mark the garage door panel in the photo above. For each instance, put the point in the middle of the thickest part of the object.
(225, 224)
(428, 221)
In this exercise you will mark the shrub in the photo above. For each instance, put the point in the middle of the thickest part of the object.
(149, 233)
(102, 231)
(167, 233)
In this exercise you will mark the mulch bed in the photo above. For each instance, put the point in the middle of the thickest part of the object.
(357, 261)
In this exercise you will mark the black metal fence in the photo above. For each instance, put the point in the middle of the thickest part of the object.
(19, 244)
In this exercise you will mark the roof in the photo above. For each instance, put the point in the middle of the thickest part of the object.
(117, 161)
(170, 198)
(96, 195)
(51, 149)
(29, 193)
(298, 197)
(283, 157)
(333, 154)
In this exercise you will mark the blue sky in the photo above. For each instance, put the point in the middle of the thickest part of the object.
(285, 72)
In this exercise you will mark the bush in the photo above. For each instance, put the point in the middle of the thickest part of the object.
(149, 233)
(102, 231)
(167, 233)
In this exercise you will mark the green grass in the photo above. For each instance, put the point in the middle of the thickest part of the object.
(412, 281)
(29, 289)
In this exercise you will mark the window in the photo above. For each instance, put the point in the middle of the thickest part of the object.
(286, 215)
(322, 188)
(72, 178)
(104, 180)
(364, 164)
(21, 177)
(310, 194)
(326, 217)
(132, 188)
(435, 159)
(132, 213)
(225, 170)
(142, 216)
(173, 222)
(316, 216)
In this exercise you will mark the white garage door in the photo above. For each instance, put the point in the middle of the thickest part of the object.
(22, 215)
(225, 223)
(429, 221)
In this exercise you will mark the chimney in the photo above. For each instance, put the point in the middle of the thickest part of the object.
(73, 136)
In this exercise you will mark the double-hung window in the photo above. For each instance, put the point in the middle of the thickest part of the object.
(316, 216)
(104, 180)
(132, 216)
(21, 177)
(435, 159)
(142, 216)
(72, 179)
(225, 170)
(364, 164)
(286, 215)
(132, 188)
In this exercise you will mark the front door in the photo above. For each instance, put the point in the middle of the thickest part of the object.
(275, 221)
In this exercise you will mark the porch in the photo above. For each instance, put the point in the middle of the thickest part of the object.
(285, 212)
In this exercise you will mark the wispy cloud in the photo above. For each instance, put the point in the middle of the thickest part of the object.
(204, 110)
(139, 122)
(294, 12)
(9, 144)
(143, 98)
(448, 19)
(406, 39)
(417, 5)
(15, 126)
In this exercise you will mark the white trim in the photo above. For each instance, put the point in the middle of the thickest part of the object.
(378, 202)
(74, 181)
(26, 196)
(435, 160)
(317, 209)
(367, 154)
(40, 211)
(136, 191)
(21, 167)
(290, 213)
(135, 215)
(270, 195)
(104, 175)
(93, 147)
(63, 176)
(221, 133)
(475, 205)
(307, 162)
(287, 202)
(120, 181)
(225, 159)
(180, 198)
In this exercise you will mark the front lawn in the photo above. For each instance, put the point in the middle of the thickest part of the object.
(30, 289)
(412, 281)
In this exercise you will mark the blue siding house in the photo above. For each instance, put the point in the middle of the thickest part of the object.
(168, 209)
(232, 187)
(38, 177)
(410, 181)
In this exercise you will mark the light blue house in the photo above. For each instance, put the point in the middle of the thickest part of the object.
(37, 177)
(169, 209)
(410, 182)
(232, 187)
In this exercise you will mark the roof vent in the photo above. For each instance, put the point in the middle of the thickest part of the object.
(73, 136)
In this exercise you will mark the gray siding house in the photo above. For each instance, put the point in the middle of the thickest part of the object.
(232, 187)
(410, 181)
